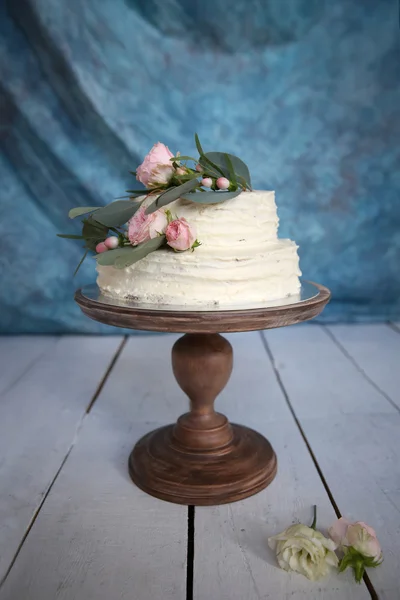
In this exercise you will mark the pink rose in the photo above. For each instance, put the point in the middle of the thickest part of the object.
(180, 235)
(359, 536)
(156, 168)
(142, 227)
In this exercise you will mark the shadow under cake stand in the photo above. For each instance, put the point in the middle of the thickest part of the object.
(202, 459)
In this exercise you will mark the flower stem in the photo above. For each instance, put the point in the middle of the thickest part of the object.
(314, 523)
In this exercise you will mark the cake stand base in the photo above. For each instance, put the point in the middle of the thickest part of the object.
(202, 459)
(163, 468)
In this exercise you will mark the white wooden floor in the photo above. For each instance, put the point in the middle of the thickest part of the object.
(74, 527)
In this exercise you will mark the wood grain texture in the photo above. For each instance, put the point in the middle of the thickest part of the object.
(232, 557)
(375, 351)
(19, 354)
(202, 459)
(98, 537)
(222, 321)
(353, 431)
(40, 410)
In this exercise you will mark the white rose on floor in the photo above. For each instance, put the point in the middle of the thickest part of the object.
(302, 549)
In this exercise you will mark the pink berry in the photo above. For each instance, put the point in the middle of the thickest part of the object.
(206, 181)
(199, 168)
(223, 183)
(112, 242)
(101, 248)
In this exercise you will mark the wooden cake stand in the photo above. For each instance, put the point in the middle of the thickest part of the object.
(202, 459)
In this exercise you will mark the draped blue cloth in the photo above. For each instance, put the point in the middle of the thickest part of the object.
(305, 91)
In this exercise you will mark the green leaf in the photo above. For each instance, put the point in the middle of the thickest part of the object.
(117, 213)
(138, 252)
(81, 210)
(138, 192)
(232, 178)
(93, 230)
(68, 236)
(80, 262)
(211, 197)
(172, 194)
(178, 158)
(123, 257)
(198, 145)
(218, 159)
(206, 162)
(108, 258)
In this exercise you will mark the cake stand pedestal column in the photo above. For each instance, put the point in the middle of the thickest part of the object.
(202, 459)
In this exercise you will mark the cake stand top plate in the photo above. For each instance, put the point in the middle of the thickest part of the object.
(183, 319)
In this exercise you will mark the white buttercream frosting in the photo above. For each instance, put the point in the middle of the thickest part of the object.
(240, 261)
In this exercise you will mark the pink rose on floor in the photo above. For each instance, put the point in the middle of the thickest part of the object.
(156, 167)
(142, 227)
(180, 234)
(359, 536)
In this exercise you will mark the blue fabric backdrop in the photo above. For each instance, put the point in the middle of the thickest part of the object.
(306, 91)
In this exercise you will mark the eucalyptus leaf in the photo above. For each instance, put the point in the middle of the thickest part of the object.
(69, 236)
(178, 158)
(172, 194)
(138, 252)
(219, 160)
(93, 230)
(117, 213)
(208, 163)
(108, 258)
(138, 192)
(232, 175)
(211, 197)
(81, 210)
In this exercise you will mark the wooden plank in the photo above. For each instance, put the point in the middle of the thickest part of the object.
(143, 386)
(375, 351)
(353, 432)
(40, 410)
(18, 354)
(232, 558)
(98, 537)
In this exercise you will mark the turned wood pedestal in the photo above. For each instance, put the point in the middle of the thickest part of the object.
(202, 459)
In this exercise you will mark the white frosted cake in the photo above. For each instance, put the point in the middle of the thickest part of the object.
(240, 260)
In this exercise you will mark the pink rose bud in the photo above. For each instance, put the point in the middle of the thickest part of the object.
(180, 235)
(359, 536)
(206, 181)
(223, 183)
(363, 538)
(181, 171)
(199, 168)
(157, 167)
(101, 248)
(112, 242)
(142, 227)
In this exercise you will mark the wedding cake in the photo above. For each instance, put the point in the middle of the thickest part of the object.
(240, 260)
(195, 235)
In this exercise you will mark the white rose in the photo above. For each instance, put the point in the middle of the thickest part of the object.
(302, 549)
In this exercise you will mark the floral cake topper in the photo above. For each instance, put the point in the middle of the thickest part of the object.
(127, 230)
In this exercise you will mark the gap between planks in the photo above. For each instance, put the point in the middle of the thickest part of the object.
(355, 364)
(79, 427)
(367, 581)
